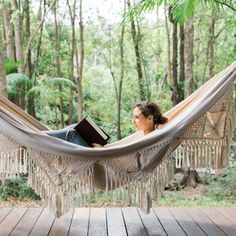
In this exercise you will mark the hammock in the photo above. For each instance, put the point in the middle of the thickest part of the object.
(136, 168)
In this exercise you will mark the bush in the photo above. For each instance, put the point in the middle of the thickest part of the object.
(17, 188)
(224, 186)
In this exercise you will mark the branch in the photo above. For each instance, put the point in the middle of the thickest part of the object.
(226, 4)
(35, 33)
(218, 34)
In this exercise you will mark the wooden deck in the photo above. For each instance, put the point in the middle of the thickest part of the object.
(119, 222)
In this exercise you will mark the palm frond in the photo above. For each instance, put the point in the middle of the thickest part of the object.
(140, 7)
(61, 81)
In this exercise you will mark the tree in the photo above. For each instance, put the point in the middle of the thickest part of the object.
(3, 81)
(175, 88)
(181, 61)
(118, 82)
(77, 58)
(80, 62)
(8, 31)
(72, 53)
(58, 59)
(136, 39)
(188, 53)
(168, 46)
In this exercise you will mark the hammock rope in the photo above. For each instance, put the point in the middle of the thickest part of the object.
(136, 168)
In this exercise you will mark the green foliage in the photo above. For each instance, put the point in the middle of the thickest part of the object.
(17, 188)
(17, 84)
(48, 93)
(224, 187)
(11, 66)
(181, 10)
(176, 199)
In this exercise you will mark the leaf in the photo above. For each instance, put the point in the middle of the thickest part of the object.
(61, 81)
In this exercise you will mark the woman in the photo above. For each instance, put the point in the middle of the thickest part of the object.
(146, 118)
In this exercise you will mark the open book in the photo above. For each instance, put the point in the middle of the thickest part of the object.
(90, 132)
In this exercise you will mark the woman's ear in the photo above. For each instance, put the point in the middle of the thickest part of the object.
(150, 118)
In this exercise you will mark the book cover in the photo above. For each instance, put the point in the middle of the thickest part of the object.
(91, 132)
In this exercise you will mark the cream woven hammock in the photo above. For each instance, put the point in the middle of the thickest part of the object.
(64, 174)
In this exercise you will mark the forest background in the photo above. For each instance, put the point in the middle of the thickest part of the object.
(62, 60)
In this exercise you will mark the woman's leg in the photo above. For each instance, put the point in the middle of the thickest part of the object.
(69, 134)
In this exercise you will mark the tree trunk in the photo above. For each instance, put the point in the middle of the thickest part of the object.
(3, 80)
(8, 30)
(42, 9)
(117, 82)
(188, 52)
(190, 178)
(168, 49)
(18, 37)
(80, 63)
(58, 60)
(138, 57)
(175, 89)
(181, 62)
(31, 38)
(72, 64)
(121, 78)
(28, 68)
(211, 44)
(18, 29)
(28, 33)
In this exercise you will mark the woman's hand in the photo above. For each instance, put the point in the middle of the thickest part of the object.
(97, 145)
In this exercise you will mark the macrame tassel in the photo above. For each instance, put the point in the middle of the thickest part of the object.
(13, 159)
(50, 178)
(201, 154)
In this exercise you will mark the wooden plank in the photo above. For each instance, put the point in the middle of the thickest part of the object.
(27, 222)
(169, 223)
(133, 222)
(220, 221)
(115, 222)
(62, 224)
(97, 222)
(204, 222)
(43, 224)
(186, 222)
(152, 223)
(228, 213)
(4, 212)
(80, 221)
(12, 219)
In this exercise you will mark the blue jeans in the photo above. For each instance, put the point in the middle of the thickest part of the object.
(68, 134)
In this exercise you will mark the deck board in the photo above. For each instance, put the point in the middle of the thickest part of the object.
(97, 222)
(61, 225)
(152, 224)
(12, 219)
(186, 222)
(127, 221)
(80, 222)
(133, 222)
(169, 223)
(115, 222)
(43, 224)
(204, 222)
(4, 212)
(27, 222)
(223, 223)
(228, 213)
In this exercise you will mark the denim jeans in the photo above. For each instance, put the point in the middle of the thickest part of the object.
(68, 134)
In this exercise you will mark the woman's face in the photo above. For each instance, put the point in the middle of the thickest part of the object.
(141, 122)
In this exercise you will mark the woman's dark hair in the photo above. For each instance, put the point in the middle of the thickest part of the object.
(150, 108)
